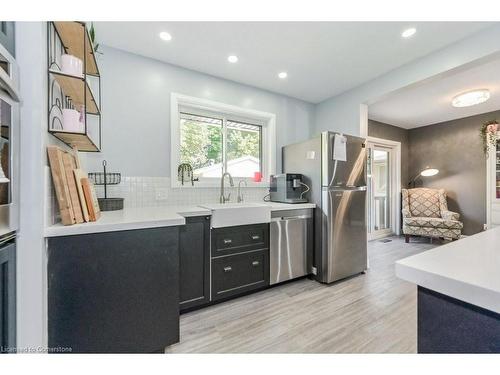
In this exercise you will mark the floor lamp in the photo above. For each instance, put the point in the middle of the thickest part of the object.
(427, 172)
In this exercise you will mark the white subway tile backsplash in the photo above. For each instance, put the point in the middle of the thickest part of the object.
(157, 191)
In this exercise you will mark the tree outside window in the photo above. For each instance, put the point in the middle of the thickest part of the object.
(204, 147)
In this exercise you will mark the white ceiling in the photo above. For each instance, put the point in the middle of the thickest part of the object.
(430, 102)
(322, 58)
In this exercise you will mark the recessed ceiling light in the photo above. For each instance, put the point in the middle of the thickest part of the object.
(409, 32)
(165, 36)
(283, 75)
(232, 58)
(469, 98)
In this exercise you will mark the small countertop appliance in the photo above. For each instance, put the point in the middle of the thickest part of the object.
(287, 188)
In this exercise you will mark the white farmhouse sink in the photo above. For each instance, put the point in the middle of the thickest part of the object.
(232, 214)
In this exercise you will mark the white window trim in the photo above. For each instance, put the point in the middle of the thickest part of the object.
(268, 138)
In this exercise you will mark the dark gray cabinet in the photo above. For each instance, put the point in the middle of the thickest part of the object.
(194, 262)
(240, 260)
(447, 325)
(7, 36)
(238, 239)
(114, 292)
(8, 298)
(237, 274)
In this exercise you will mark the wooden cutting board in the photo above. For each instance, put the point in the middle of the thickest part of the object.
(79, 174)
(91, 199)
(69, 166)
(55, 155)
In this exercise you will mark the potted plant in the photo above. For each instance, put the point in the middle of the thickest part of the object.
(93, 39)
(489, 135)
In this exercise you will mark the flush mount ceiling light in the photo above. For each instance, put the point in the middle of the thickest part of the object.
(232, 58)
(469, 98)
(409, 32)
(165, 36)
(283, 75)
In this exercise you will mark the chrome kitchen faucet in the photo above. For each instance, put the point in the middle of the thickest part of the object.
(240, 194)
(223, 198)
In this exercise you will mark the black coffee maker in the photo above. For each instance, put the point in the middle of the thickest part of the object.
(287, 188)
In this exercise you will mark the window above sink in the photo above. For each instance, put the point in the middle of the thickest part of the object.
(215, 138)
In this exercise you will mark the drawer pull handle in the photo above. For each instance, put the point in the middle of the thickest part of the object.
(255, 263)
(226, 241)
(255, 237)
(228, 269)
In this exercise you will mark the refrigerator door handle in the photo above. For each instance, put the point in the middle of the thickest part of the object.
(356, 188)
(346, 188)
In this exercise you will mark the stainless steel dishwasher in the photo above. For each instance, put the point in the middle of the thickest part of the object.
(290, 244)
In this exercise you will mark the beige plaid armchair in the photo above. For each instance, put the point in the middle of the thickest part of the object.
(425, 213)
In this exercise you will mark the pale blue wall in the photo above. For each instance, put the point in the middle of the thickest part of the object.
(31, 56)
(136, 111)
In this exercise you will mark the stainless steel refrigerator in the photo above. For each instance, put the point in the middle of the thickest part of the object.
(334, 166)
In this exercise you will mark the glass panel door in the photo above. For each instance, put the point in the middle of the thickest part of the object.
(379, 190)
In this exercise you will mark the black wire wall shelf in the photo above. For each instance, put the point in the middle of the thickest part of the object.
(66, 91)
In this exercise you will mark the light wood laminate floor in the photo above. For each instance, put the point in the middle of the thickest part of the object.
(370, 313)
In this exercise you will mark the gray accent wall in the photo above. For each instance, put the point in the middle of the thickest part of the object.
(455, 148)
(385, 131)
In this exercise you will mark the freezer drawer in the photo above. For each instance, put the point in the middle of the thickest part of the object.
(290, 245)
(344, 234)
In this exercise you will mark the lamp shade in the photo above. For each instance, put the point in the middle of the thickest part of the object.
(428, 172)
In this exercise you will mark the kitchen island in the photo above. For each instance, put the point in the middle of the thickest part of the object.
(458, 294)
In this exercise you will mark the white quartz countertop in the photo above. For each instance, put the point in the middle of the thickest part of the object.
(189, 211)
(276, 206)
(146, 217)
(467, 269)
(129, 218)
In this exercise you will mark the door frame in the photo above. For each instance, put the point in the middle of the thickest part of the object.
(492, 202)
(395, 171)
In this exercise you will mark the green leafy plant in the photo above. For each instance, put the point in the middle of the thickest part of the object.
(93, 40)
(489, 135)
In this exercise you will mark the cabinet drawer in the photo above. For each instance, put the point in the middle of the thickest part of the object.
(232, 240)
(236, 274)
